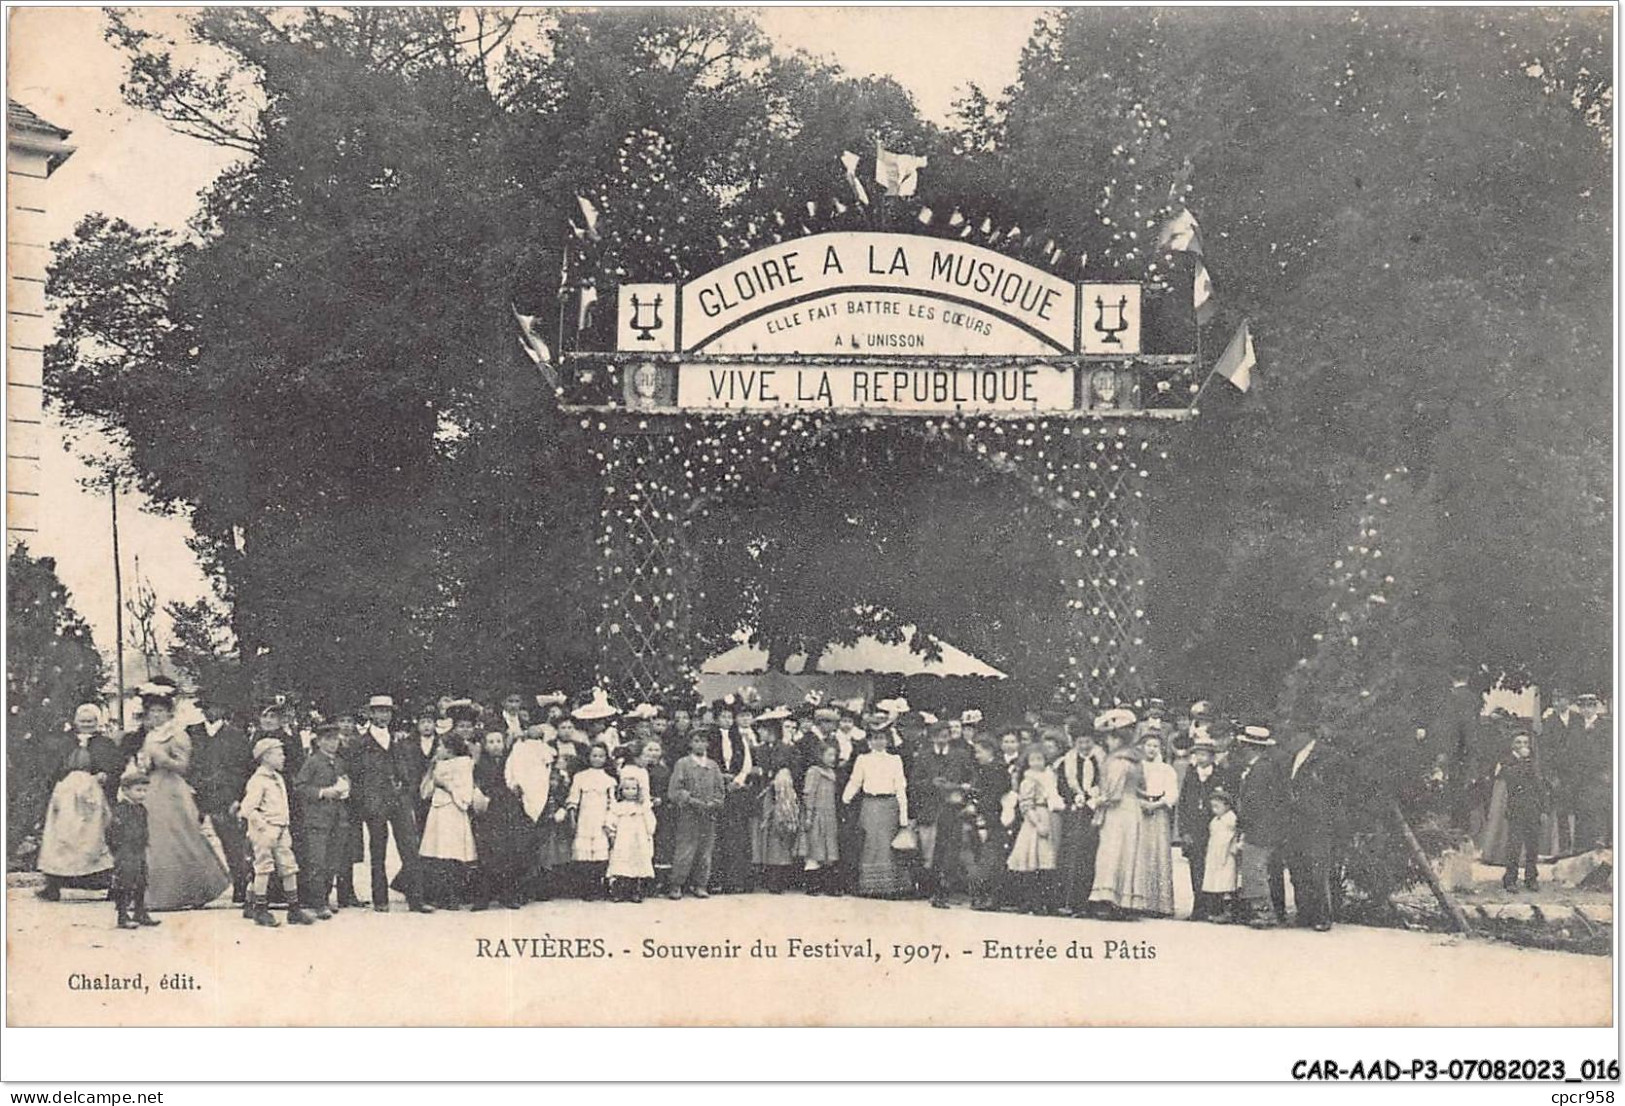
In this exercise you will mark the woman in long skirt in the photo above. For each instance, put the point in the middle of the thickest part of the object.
(877, 776)
(83, 767)
(1117, 815)
(1032, 858)
(555, 836)
(501, 831)
(448, 850)
(1077, 778)
(819, 844)
(183, 872)
(1153, 882)
(778, 814)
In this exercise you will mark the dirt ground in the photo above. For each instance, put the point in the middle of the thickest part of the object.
(839, 962)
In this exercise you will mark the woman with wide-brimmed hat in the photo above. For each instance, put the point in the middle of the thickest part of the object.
(1118, 815)
(183, 871)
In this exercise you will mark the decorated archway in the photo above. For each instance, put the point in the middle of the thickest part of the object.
(745, 374)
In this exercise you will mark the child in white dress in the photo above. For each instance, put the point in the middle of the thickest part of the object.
(592, 793)
(1220, 875)
(632, 831)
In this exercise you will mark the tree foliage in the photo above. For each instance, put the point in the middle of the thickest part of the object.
(1411, 207)
(51, 667)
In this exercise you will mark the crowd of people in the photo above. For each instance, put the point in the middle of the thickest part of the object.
(541, 797)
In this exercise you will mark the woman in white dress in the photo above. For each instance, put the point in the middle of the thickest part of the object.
(1118, 815)
(592, 794)
(1153, 882)
(1033, 857)
(447, 849)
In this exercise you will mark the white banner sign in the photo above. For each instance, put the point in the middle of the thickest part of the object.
(875, 388)
(921, 294)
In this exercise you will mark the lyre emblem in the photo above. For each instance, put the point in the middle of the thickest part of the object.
(646, 327)
(1111, 331)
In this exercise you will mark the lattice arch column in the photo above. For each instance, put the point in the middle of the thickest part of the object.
(1111, 471)
(1097, 477)
(643, 567)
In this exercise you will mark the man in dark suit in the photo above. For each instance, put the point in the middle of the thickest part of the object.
(1195, 814)
(1458, 735)
(1315, 776)
(384, 788)
(1554, 757)
(416, 753)
(939, 765)
(222, 761)
(1259, 816)
(1592, 792)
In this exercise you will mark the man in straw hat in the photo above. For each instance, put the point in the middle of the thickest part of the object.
(1259, 816)
(384, 785)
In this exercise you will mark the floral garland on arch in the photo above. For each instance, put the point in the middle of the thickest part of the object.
(1085, 482)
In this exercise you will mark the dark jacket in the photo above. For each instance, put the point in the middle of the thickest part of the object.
(130, 744)
(1315, 794)
(1526, 790)
(318, 772)
(106, 759)
(221, 766)
(1458, 732)
(293, 753)
(127, 838)
(931, 775)
(735, 761)
(1195, 813)
(1260, 801)
(379, 776)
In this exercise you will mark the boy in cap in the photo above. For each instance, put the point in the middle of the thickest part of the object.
(323, 785)
(265, 808)
(127, 839)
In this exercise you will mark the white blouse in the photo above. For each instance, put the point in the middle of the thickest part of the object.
(879, 774)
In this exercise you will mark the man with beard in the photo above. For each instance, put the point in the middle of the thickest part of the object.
(938, 767)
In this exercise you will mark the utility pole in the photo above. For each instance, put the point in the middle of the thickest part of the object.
(118, 605)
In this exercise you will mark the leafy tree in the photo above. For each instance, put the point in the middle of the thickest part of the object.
(323, 369)
(52, 667)
(1413, 214)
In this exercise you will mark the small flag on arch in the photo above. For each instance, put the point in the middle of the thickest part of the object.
(1181, 234)
(1202, 295)
(535, 348)
(849, 161)
(589, 296)
(1236, 363)
(590, 214)
(898, 174)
